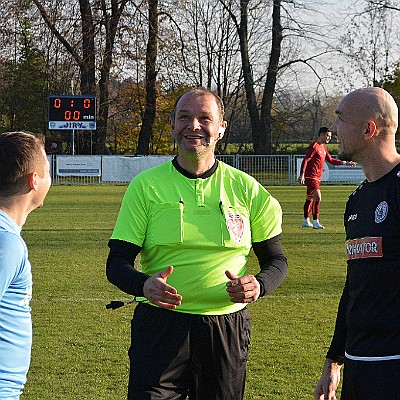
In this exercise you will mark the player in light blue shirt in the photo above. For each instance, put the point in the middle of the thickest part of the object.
(24, 183)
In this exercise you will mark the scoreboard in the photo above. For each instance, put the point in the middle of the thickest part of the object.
(72, 112)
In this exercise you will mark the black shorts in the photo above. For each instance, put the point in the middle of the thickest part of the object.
(371, 380)
(177, 355)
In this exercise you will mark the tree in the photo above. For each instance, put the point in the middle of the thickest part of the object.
(149, 114)
(23, 90)
(392, 83)
(85, 54)
(387, 4)
(368, 43)
(260, 117)
(252, 53)
(126, 117)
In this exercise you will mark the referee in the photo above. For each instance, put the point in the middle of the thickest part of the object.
(194, 221)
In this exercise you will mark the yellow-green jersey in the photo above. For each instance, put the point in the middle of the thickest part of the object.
(200, 226)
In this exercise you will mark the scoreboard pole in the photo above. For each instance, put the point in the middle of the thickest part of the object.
(73, 142)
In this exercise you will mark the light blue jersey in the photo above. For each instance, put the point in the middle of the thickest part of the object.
(15, 312)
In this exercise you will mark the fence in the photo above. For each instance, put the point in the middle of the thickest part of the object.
(267, 169)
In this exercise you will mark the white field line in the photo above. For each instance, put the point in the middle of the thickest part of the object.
(270, 297)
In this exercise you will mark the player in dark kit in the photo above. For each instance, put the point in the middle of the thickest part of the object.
(367, 332)
(311, 171)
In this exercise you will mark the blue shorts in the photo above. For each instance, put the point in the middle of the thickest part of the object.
(174, 355)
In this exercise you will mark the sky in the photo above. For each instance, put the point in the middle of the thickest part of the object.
(335, 18)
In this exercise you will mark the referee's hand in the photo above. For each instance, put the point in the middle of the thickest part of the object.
(159, 292)
(242, 289)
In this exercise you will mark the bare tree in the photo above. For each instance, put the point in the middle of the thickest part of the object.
(151, 77)
(369, 44)
(260, 117)
(383, 4)
(85, 54)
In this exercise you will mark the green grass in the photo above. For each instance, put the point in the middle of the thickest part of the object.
(80, 348)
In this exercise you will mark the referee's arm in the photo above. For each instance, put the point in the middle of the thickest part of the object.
(120, 269)
(273, 264)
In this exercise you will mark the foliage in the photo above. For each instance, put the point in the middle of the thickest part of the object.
(23, 93)
(128, 106)
(392, 83)
(198, 44)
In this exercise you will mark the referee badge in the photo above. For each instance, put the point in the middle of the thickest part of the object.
(234, 223)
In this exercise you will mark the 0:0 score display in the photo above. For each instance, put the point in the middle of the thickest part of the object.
(72, 108)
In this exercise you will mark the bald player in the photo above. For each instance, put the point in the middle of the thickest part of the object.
(367, 332)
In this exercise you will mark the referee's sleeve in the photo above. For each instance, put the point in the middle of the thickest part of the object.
(120, 269)
(273, 264)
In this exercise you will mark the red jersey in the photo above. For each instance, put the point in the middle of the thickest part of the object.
(313, 163)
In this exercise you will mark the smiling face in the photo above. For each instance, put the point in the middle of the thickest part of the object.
(198, 123)
(366, 124)
(325, 138)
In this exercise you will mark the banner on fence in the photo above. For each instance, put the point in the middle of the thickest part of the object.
(267, 169)
(79, 166)
(338, 174)
(123, 169)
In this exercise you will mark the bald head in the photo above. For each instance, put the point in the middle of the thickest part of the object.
(366, 125)
(198, 92)
(374, 104)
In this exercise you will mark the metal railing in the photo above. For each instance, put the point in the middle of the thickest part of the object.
(267, 169)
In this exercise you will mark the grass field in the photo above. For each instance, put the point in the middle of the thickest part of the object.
(80, 348)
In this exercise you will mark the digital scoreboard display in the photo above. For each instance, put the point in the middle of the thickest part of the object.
(72, 112)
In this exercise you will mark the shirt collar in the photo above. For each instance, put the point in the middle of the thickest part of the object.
(189, 175)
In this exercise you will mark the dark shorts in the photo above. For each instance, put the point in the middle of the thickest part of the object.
(174, 355)
(312, 186)
(371, 380)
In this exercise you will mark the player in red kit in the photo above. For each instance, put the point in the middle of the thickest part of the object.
(311, 173)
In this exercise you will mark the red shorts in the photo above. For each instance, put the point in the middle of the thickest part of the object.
(312, 186)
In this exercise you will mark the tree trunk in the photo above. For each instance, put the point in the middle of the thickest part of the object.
(149, 114)
(265, 144)
(260, 120)
(87, 68)
(111, 26)
(248, 76)
(87, 65)
(87, 62)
